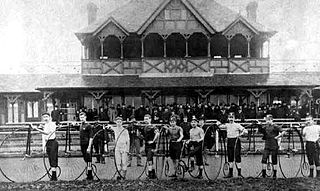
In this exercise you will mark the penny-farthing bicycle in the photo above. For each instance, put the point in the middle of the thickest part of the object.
(72, 163)
(290, 156)
(22, 154)
(304, 166)
(214, 146)
(133, 172)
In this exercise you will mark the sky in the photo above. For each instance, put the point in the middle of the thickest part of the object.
(41, 32)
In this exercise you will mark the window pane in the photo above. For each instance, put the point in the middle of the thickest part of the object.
(29, 109)
(35, 109)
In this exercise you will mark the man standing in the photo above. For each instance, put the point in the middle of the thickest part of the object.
(311, 133)
(234, 131)
(122, 147)
(175, 136)
(49, 136)
(86, 139)
(135, 137)
(196, 139)
(271, 133)
(150, 134)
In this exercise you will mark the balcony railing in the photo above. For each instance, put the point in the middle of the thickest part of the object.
(177, 65)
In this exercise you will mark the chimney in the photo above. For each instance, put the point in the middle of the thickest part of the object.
(92, 12)
(252, 10)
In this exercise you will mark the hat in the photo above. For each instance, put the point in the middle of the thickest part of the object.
(173, 118)
(147, 115)
(83, 113)
(46, 113)
(194, 118)
(269, 117)
(119, 117)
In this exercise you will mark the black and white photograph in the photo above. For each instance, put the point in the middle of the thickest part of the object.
(159, 95)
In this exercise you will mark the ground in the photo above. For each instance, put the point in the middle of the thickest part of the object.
(220, 184)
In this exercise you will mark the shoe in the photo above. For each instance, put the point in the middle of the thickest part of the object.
(89, 175)
(119, 177)
(103, 162)
(139, 165)
(199, 177)
(129, 165)
(97, 161)
(53, 176)
(206, 164)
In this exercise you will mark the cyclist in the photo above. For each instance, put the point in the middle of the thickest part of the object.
(150, 135)
(271, 133)
(175, 136)
(49, 135)
(234, 131)
(311, 133)
(86, 140)
(122, 146)
(196, 140)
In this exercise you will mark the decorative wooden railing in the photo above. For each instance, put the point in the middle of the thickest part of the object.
(176, 65)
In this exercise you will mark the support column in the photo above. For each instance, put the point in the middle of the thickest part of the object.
(209, 45)
(268, 48)
(101, 38)
(97, 95)
(308, 92)
(203, 94)
(46, 96)
(229, 37)
(186, 37)
(248, 37)
(121, 38)
(151, 95)
(164, 37)
(256, 94)
(142, 45)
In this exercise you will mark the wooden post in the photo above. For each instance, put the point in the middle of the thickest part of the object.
(101, 38)
(164, 37)
(209, 45)
(248, 37)
(142, 45)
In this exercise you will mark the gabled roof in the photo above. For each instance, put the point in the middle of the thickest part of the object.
(185, 3)
(137, 14)
(245, 22)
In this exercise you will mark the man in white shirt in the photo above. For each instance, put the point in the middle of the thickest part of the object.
(311, 133)
(48, 129)
(122, 147)
(234, 131)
